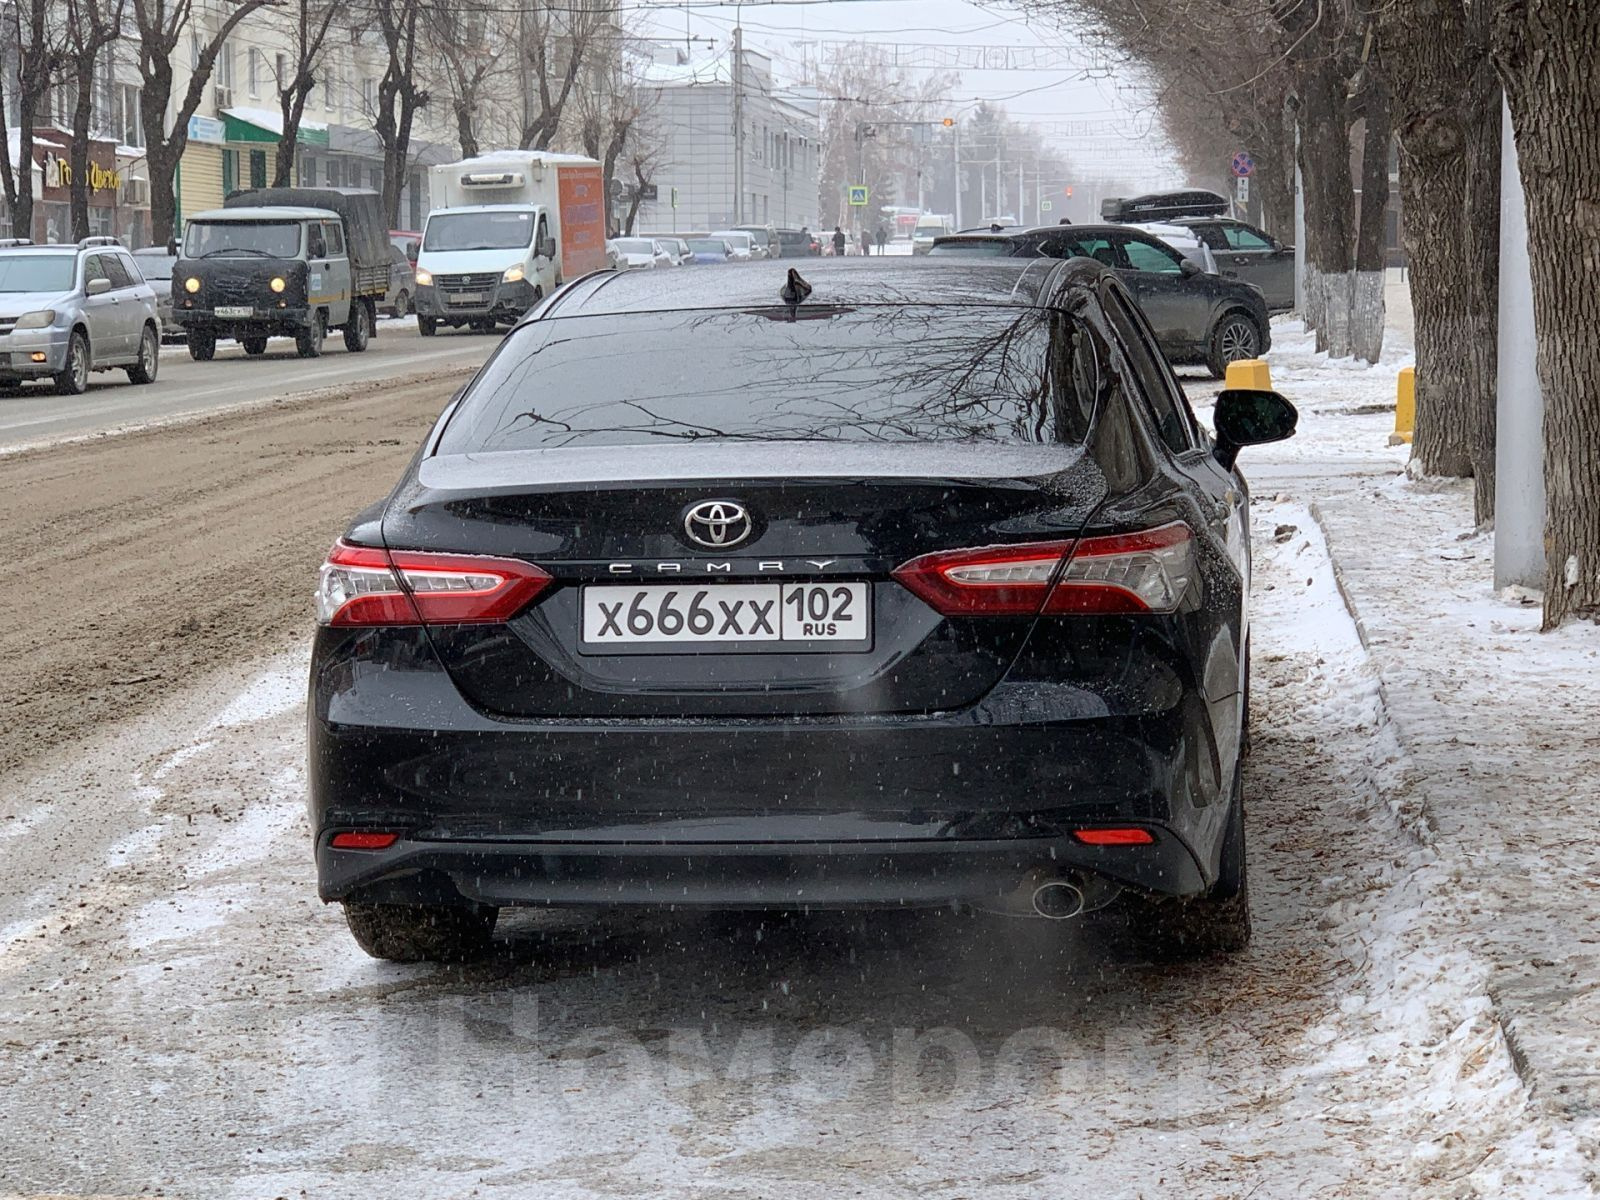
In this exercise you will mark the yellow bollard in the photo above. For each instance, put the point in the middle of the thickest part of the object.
(1249, 374)
(1405, 407)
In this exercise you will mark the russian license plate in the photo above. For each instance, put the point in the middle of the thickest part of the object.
(753, 616)
(235, 310)
(468, 298)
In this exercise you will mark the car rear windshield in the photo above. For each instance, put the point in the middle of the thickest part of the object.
(635, 246)
(708, 245)
(243, 239)
(878, 373)
(478, 231)
(36, 272)
(984, 249)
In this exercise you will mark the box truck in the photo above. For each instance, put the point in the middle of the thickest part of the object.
(505, 231)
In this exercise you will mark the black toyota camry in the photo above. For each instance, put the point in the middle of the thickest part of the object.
(903, 583)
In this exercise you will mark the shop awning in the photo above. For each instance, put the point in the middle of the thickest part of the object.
(266, 125)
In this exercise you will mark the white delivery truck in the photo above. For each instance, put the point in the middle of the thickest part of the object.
(506, 229)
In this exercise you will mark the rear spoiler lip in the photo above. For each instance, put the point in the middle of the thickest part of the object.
(724, 462)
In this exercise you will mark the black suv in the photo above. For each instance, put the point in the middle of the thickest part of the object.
(1198, 317)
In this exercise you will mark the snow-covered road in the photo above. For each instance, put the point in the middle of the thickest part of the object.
(179, 1014)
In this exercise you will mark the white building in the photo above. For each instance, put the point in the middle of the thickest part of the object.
(690, 116)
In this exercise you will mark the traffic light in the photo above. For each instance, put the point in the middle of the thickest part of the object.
(948, 122)
(1068, 190)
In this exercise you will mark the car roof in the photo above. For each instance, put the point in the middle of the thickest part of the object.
(53, 248)
(1017, 283)
(269, 212)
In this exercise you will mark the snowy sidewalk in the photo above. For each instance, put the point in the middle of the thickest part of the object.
(1500, 728)
(1491, 757)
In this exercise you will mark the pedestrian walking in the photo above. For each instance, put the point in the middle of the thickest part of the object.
(883, 238)
(838, 242)
(866, 242)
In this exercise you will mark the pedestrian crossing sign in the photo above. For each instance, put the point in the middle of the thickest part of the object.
(858, 196)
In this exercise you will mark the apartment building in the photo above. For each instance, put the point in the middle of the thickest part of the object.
(701, 184)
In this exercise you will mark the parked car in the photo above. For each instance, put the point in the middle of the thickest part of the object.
(1198, 317)
(1244, 252)
(677, 249)
(798, 243)
(397, 302)
(640, 253)
(67, 311)
(740, 243)
(710, 250)
(155, 264)
(409, 242)
(764, 241)
(889, 630)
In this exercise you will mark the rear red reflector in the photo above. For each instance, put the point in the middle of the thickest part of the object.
(364, 841)
(1144, 571)
(1114, 837)
(364, 585)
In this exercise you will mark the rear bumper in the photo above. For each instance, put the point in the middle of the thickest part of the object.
(728, 811)
(857, 874)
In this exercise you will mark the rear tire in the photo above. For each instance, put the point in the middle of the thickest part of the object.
(358, 327)
(202, 346)
(427, 326)
(1236, 337)
(402, 304)
(1214, 923)
(410, 933)
(308, 342)
(144, 371)
(73, 378)
(254, 346)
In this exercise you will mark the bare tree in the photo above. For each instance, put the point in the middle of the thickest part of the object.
(612, 109)
(311, 20)
(163, 26)
(40, 43)
(866, 100)
(92, 27)
(400, 95)
(554, 43)
(1543, 49)
(466, 40)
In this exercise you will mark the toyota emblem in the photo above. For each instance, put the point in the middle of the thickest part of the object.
(717, 524)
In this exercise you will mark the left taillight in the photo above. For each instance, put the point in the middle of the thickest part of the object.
(365, 585)
(1146, 571)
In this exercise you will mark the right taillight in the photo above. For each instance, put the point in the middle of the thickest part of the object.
(1144, 571)
(365, 585)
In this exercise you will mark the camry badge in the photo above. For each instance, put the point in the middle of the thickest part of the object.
(717, 524)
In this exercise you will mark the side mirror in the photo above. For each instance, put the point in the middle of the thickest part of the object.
(1189, 269)
(97, 287)
(547, 247)
(1250, 418)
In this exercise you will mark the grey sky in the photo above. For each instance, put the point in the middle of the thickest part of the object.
(1105, 123)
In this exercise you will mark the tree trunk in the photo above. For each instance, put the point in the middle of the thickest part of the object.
(78, 152)
(464, 128)
(1367, 311)
(1446, 115)
(291, 107)
(1330, 201)
(1544, 52)
(162, 159)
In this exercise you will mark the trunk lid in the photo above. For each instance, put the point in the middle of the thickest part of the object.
(833, 514)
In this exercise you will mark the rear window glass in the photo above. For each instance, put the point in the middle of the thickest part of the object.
(891, 373)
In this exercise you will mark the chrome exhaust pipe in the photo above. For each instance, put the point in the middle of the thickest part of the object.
(1058, 900)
